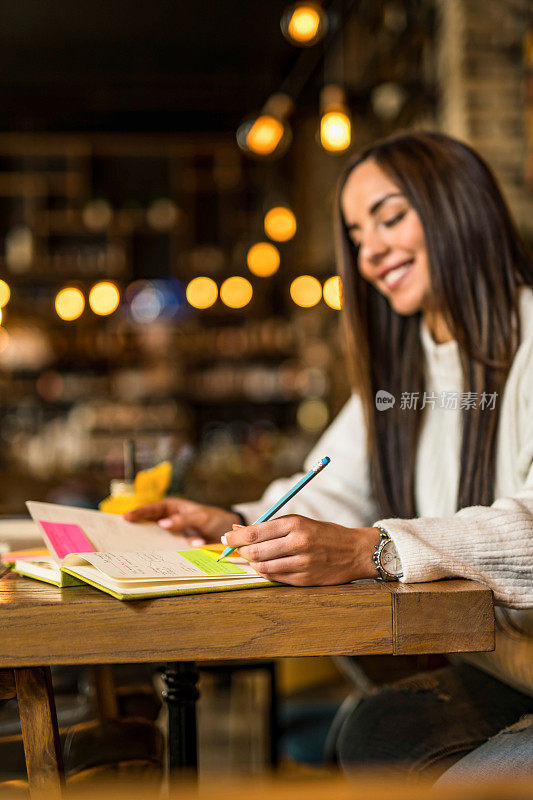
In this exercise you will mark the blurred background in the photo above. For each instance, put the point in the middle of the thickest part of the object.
(167, 180)
(167, 183)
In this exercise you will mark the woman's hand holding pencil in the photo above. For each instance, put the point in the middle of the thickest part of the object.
(305, 552)
(290, 549)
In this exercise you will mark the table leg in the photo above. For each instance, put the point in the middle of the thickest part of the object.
(40, 734)
(181, 694)
(273, 714)
(106, 704)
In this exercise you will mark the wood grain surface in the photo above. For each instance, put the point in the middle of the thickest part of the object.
(442, 617)
(45, 625)
(78, 625)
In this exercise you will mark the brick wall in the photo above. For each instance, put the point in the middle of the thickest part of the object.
(482, 88)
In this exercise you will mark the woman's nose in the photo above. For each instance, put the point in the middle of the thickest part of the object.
(373, 246)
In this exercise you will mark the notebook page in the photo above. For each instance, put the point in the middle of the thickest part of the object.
(140, 588)
(103, 531)
(162, 564)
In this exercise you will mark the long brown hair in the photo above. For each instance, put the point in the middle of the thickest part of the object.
(477, 261)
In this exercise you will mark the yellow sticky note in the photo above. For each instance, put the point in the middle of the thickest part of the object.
(206, 560)
(150, 486)
(153, 481)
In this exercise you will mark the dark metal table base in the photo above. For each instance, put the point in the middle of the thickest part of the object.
(181, 694)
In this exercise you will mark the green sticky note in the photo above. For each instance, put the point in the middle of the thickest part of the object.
(206, 560)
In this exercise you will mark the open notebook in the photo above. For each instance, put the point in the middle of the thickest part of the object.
(127, 560)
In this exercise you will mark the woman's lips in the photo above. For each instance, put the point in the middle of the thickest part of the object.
(395, 276)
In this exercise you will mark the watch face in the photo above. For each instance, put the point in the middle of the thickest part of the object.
(390, 560)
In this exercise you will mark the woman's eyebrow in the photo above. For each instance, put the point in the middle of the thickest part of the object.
(375, 207)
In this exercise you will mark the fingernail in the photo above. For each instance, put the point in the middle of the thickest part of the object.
(164, 523)
(238, 526)
(223, 539)
(197, 542)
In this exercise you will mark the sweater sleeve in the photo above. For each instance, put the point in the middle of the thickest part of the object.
(490, 544)
(342, 491)
(493, 545)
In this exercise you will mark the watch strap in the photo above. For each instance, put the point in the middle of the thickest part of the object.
(384, 575)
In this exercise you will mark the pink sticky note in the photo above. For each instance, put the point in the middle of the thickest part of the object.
(66, 538)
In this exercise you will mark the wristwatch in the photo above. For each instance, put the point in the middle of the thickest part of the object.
(386, 557)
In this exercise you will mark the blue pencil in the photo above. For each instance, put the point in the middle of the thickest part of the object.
(285, 499)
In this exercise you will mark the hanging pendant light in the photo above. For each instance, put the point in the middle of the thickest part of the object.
(267, 135)
(335, 120)
(304, 24)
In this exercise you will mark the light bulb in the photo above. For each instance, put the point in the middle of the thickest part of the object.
(268, 134)
(304, 23)
(335, 131)
(335, 123)
(264, 135)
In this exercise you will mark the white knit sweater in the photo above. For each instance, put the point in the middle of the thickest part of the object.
(493, 545)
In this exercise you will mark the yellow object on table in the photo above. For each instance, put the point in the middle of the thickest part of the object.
(149, 486)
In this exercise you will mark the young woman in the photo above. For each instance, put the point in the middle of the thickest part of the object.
(431, 472)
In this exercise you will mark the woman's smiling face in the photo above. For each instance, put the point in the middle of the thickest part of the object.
(389, 236)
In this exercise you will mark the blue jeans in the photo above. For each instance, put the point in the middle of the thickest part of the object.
(429, 721)
(507, 755)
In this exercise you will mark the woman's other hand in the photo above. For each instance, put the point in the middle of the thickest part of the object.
(199, 523)
(304, 552)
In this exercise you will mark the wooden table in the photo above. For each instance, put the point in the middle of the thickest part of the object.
(43, 626)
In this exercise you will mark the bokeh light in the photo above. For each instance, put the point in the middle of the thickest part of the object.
(236, 292)
(335, 131)
(312, 415)
(333, 292)
(306, 291)
(104, 298)
(147, 304)
(387, 100)
(5, 293)
(201, 292)
(97, 214)
(265, 135)
(263, 259)
(162, 214)
(19, 249)
(50, 385)
(280, 224)
(69, 303)
(304, 24)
